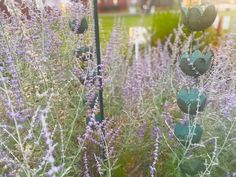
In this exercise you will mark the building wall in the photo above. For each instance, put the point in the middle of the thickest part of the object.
(24, 8)
(112, 5)
(191, 2)
(225, 1)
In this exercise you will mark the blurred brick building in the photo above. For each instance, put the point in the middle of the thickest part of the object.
(112, 5)
(212, 1)
(4, 9)
(122, 5)
(24, 9)
(225, 1)
(159, 3)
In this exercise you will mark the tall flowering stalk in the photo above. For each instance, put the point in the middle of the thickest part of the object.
(43, 86)
(29, 71)
(155, 156)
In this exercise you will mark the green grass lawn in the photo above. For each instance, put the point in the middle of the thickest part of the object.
(107, 22)
(231, 13)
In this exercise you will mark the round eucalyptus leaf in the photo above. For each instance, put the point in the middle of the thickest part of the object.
(193, 166)
(98, 118)
(84, 53)
(199, 18)
(79, 26)
(195, 64)
(191, 100)
(188, 133)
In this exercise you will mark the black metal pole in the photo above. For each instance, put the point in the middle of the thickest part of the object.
(98, 54)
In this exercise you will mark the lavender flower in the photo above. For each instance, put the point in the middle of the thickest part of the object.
(228, 104)
(86, 171)
(155, 155)
(142, 130)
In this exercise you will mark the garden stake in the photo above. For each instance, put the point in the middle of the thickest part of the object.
(98, 54)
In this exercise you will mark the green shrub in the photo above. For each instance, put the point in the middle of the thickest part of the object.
(163, 24)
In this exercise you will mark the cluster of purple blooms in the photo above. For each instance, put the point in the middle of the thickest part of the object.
(228, 105)
(27, 46)
(33, 53)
